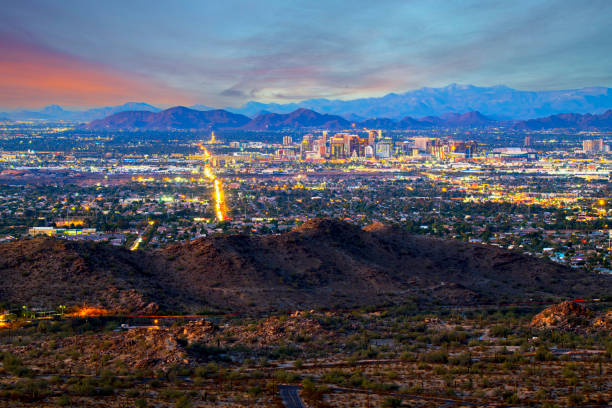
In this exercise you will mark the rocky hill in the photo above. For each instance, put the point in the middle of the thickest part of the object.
(572, 316)
(324, 263)
(178, 117)
(569, 120)
(47, 272)
(300, 118)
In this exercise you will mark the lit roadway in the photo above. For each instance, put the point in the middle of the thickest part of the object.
(290, 396)
(219, 196)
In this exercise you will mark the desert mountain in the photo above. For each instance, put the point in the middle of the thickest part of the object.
(500, 102)
(300, 118)
(324, 263)
(179, 118)
(569, 120)
(54, 113)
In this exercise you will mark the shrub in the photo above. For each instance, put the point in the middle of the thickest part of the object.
(254, 391)
(286, 376)
(464, 359)
(183, 402)
(576, 399)
(13, 365)
(440, 357)
(64, 401)
(542, 354)
(209, 370)
(391, 402)
(26, 390)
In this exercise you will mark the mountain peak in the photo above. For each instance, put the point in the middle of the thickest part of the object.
(49, 109)
(299, 118)
(177, 117)
(499, 101)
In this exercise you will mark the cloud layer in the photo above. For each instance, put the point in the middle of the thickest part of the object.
(92, 53)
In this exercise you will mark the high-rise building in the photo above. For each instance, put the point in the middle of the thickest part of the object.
(336, 147)
(451, 149)
(592, 146)
(371, 137)
(528, 142)
(323, 147)
(384, 148)
(287, 140)
(421, 142)
(306, 145)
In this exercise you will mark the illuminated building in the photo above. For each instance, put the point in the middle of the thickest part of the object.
(528, 142)
(285, 154)
(351, 147)
(384, 148)
(508, 154)
(49, 231)
(287, 140)
(592, 146)
(451, 149)
(421, 142)
(306, 145)
(371, 137)
(67, 222)
(337, 147)
(407, 147)
(323, 146)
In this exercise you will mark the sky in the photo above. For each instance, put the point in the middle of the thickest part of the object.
(86, 53)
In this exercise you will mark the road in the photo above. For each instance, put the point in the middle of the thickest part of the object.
(290, 396)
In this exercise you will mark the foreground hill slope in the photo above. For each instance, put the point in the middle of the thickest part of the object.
(323, 263)
(46, 272)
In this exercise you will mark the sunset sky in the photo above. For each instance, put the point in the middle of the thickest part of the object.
(93, 53)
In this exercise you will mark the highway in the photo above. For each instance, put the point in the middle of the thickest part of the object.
(290, 396)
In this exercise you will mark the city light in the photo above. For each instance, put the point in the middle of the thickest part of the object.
(208, 172)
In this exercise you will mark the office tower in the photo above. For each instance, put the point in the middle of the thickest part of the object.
(592, 146)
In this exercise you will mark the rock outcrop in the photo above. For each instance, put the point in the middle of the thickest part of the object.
(572, 316)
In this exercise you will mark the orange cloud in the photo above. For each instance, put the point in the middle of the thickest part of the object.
(33, 76)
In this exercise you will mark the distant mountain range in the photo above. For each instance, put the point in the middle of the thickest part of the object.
(496, 102)
(569, 120)
(182, 118)
(55, 113)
